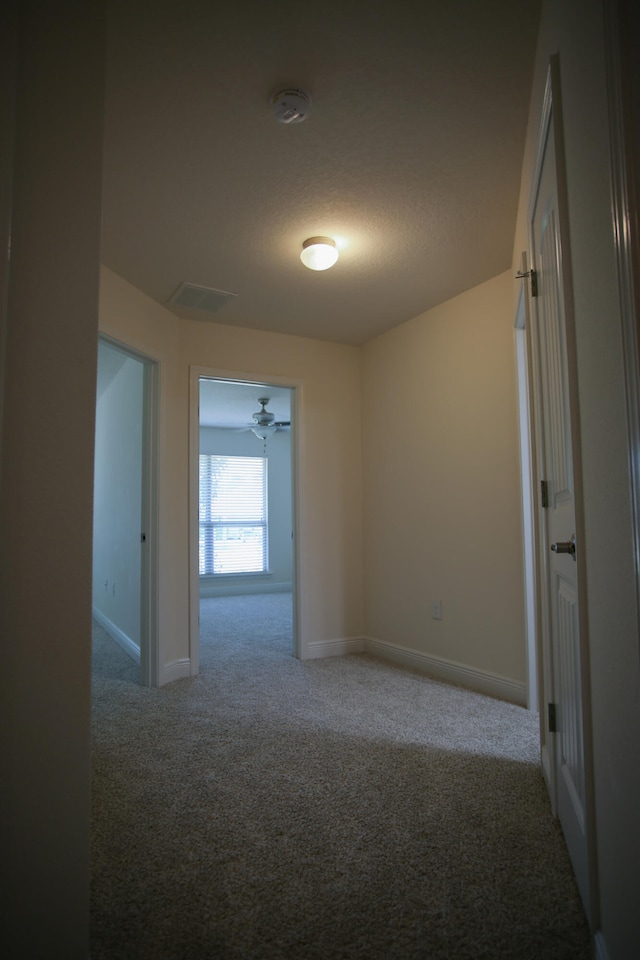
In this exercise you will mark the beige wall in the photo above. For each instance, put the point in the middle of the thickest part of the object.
(49, 392)
(574, 29)
(138, 322)
(330, 528)
(442, 485)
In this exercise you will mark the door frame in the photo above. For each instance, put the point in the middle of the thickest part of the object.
(621, 31)
(197, 373)
(149, 652)
(551, 116)
(527, 483)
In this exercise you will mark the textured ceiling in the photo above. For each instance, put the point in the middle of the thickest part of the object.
(410, 158)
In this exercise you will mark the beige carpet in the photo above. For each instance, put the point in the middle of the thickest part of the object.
(324, 810)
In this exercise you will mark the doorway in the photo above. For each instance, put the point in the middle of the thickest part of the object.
(124, 536)
(243, 512)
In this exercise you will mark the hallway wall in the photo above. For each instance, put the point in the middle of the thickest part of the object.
(442, 490)
(51, 322)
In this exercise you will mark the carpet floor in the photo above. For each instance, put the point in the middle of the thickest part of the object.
(337, 809)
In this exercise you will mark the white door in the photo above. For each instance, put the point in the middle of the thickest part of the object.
(563, 732)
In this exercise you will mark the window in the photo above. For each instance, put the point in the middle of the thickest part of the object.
(233, 515)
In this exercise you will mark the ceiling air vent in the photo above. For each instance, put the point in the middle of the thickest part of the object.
(200, 298)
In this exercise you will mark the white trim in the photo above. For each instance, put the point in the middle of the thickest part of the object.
(176, 670)
(149, 670)
(318, 649)
(492, 684)
(527, 485)
(545, 673)
(543, 132)
(194, 520)
(8, 100)
(121, 638)
(546, 762)
(626, 228)
(600, 947)
(149, 509)
(210, 588)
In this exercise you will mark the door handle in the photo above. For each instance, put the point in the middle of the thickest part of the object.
(565, 546)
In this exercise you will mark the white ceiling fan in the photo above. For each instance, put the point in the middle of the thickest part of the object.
(265, 423)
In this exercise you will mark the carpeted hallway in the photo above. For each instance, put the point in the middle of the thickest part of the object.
(322, 810)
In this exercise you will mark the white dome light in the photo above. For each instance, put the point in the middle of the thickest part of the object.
(319, 253)
(264, 430)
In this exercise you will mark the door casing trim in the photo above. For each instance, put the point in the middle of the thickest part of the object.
(149, 638)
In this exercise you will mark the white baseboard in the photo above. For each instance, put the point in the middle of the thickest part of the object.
(334, 648)
(121, 638)
(545, 761)
(504, 688)
(176, 670)
(212, 589)
(600, 947)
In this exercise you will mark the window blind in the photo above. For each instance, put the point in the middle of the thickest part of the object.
(233, 515)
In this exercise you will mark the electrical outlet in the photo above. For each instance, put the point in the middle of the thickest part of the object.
(436, 609)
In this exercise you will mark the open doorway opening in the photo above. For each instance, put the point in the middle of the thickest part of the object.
(124, 553)
(245, 517)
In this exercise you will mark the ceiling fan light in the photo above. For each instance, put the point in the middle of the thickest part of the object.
(319, 253)
(263, 416)
(264, 430)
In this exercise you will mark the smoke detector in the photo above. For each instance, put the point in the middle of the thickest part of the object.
(291, 105)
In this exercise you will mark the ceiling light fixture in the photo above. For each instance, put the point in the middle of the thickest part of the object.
(264, 431)
(319, 253)
(265, 427)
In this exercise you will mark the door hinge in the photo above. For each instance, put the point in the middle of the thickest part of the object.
(544, 494)
(533, 276)
(553, 727)
(143, 538)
